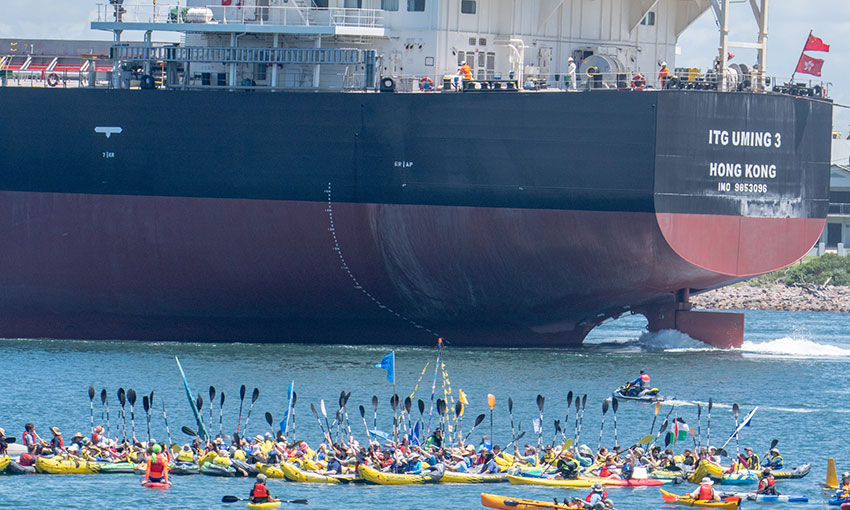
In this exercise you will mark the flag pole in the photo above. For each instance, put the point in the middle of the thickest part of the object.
(801, 55)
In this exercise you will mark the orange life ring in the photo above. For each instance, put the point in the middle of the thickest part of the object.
(638, 82)
(52, 79)
(426, 84)
(225, 2)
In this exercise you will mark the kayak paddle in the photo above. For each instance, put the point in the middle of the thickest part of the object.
(657, 407)
(581, 420)
(478, 421)
(366, 426)
(241, 401)
(408, 405)
(189, 432)
(316, 414)
(146, 403)
(604, 410)
(292, 415)
(708, 431)
(491, 402)
(122, 400)
(325, 414)
(212, 399)
(165, 419)
(511, 413)
(540, 402)
(699, 427)
(91, 407)
(131, 397)
(394, 405)
(567, 417)
(614, 405)
(735, 410)
(375, 409)
(105, 402)
(221, 413)
(575, 431)
(557, 430)
(459, 419)
(270, 420)
(421, 405)
(234, 499)
(254, 396)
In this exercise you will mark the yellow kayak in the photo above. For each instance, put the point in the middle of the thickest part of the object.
(270, 504)
(704, 469)
(294, 474)
(61, 466)
(455, 477)
(372, 475)
(551, 482)
(271, 471)
(4, 462)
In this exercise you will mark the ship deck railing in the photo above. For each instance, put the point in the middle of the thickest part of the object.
(291, 19)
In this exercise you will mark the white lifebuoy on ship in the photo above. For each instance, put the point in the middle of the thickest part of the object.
(52, 79)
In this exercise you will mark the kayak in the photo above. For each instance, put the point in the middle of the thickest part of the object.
(270, 504)
(586, 482)
(4, 462)
(213, 469)
(294, 474)
(740, 478)
(664, 474)
(706, 468)
(797, 472)
(455, 477)
(271, 471)
(372, 475)
(767, 498)
(183, 468)
(156, 485)
(117, 467)
(507, 503)
(16, 469)
(727, 504)
(250, 469)
(60, 466)
(835, 500)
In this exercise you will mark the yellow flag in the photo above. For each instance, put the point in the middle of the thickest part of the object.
(462, 396)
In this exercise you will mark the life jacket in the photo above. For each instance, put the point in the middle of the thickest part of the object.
(29, 438)
(156, 466)
(185, 456)
(260, 491)
(605, 472)
(95, 438)
(26, 459)
(604, 496)
(706, 492)
(769, 482)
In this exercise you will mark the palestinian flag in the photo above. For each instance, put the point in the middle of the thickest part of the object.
(680, 431)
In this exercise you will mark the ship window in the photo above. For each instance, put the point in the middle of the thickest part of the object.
(472, 41)
(261, 72)
(649, 19)
(222, 80)
(461, 56)
(205, 79)
(389, 5)
(321, 3)
(416, 5)
(482, 42)
(467, 6)
(353, 4)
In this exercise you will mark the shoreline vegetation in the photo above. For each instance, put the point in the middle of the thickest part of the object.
(819, 284)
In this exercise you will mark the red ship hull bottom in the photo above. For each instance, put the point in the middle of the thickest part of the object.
(225, 270)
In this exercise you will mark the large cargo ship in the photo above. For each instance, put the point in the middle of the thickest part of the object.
(486, 214)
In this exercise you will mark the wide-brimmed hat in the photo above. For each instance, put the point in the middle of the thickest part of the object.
(78, 434)
(707, 481)
(2, 432)
(258, 438)
(55, 431)
(596, 487)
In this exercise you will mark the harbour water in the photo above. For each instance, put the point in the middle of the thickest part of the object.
(792, 366)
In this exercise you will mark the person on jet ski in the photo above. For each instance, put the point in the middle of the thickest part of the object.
(638, 387)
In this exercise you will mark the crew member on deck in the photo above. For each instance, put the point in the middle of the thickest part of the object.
(663, 74)
(571, 72)
(465, 71)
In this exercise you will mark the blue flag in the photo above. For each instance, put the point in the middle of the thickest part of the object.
(414, 435)
(284, 424)
(388, 363)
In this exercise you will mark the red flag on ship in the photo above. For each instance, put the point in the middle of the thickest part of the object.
(816, 44)
(809, 65)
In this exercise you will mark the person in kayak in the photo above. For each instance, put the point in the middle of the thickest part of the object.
(56, 444)
(156, 469)
(436, 439)
(705, 491)
(597, 495)
(260, 493)
(774, 461)
(767, 484)
(567, 467)
(30, 438)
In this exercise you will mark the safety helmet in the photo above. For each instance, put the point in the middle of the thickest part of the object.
(156, 448)
(663, 64)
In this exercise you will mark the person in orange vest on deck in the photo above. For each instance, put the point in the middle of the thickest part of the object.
(663, 74)
(705, 491)
(465, 71)
(156, 469)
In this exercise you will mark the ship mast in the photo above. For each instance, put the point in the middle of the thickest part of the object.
(760, 12)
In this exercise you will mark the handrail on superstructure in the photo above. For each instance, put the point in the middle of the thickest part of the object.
(258, 15)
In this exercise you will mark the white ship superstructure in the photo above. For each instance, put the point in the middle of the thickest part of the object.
(303, 44)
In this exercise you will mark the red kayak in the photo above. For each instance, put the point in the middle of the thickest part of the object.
(156, 485)
(634, 482)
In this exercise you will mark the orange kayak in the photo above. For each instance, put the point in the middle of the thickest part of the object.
(508, 503)
(726, 504)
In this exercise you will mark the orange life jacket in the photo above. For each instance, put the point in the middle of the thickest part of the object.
(259, 491)
(706, 492)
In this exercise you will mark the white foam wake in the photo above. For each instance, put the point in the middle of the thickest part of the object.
(671, 340)
(798, 347)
